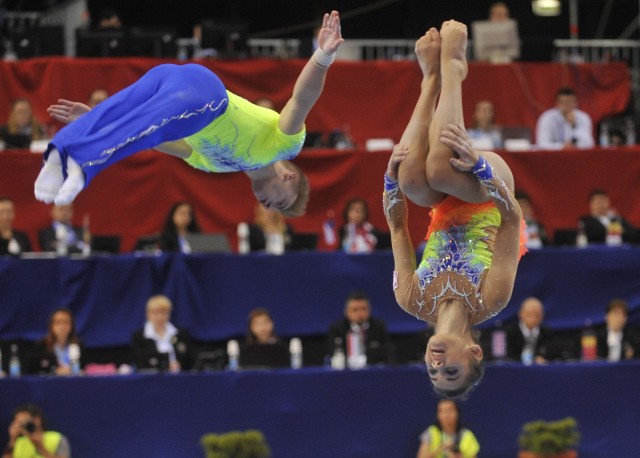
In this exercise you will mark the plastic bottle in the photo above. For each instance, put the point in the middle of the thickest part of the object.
(86, 236)
(14, 362)
(233, 351)
(589, 342)
(630, 131)
(275, 244)
(604, 134)
(581, 236)
(74, 358)
(338, 359)
(498, 342)
(356, 356)
(243, 238)
(62, 240)
(295, 350)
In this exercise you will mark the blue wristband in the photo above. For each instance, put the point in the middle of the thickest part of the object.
(389, 185)
(483, 170)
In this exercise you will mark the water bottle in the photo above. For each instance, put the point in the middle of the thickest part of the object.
(243, 238)
(62, 240)
(498, 342)
(295, 350)
(527, 355)
(74, 358)
(614, 232)
(86, 236)
(581, 237)
(356, 356)
(14, 362)
(338, 359)
(630, 131)
(604, 134)
(233, 351)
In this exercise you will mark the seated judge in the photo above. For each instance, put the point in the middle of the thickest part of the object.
(527, 340)
(617, 340)
(161, 336)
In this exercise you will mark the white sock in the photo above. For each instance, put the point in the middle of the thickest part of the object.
(72, 185)
(50, 178)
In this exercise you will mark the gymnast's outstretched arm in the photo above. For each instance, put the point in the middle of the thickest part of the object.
(310, 83)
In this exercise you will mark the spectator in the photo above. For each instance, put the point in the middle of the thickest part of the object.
(61, 230)
(617, 340)
(499, 11)
(448, 438)
(12, 242)
(97, 96)
(180, 221)
(260, 328)
(159, 335)
(61, 333)
(269, 232)
(22, 127)
(357, 234)
(484, 133)
(536, 233)
(603, 220)
(564, 126)
(29, 436)
(527, 340)
(357, 316)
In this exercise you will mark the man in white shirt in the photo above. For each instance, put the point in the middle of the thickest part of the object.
(564, 126)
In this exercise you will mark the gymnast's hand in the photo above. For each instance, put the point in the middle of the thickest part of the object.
(398, 155)
(330, 35)
(67, 111)
(457, 138)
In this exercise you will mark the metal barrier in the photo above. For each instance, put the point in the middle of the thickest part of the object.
(603, 51)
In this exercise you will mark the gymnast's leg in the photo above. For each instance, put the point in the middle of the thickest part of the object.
(168, 103)
(441, 175)
(412, 174)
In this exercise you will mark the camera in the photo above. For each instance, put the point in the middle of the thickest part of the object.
(29, 427)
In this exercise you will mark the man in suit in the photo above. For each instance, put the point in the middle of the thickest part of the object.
(603, 219)
(357, 318)
(61, 230)
(12, 242)
(528, 340)
(617, 341)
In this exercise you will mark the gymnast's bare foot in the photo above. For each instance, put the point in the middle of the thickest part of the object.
(454, 48)
(428, 53)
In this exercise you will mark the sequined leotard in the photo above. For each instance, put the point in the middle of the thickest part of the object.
(458, 254)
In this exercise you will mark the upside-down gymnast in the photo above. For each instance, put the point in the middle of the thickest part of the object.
(469, 264)
(185, 111)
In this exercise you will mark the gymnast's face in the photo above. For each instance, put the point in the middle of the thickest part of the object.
(449, 358)
(279, 192)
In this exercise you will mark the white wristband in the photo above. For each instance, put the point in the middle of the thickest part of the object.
(322, 58)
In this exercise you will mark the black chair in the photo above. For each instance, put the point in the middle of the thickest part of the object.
(101, 42)
(153, 42)
(105, 244)
(148, 243)
(563, 237)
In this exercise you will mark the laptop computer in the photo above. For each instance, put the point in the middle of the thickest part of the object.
(304, 241)
(209, 243)
(40, 363)
(105, 244)
(258, 356)
(151, 361)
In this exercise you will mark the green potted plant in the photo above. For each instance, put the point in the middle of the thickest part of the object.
(554, 439)
(236, 444)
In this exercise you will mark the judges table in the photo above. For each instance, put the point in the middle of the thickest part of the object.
(377, 412)
(305, 292)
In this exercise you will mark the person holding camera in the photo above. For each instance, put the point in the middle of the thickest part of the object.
(28, 437)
